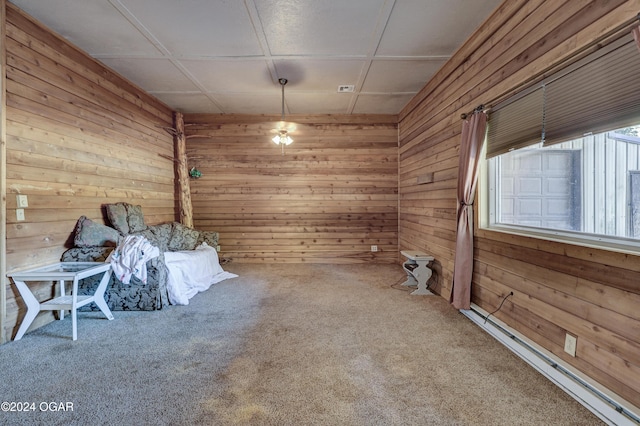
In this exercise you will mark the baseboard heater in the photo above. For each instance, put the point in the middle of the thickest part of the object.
(610, 408)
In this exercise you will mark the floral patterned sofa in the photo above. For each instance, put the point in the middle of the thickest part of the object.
(93, 242)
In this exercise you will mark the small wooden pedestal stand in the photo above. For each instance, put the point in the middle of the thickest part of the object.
(418, 273)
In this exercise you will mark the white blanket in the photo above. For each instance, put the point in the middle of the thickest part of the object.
(130, 258)
(192, 271)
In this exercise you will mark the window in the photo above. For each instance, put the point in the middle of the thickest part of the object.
(589, 185)
(564, 155)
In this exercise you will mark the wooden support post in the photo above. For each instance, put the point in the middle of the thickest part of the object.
(3, 174)
(182, 171)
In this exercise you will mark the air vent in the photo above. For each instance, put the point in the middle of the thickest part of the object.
(346, 88)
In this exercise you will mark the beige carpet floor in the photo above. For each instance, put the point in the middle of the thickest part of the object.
(284, 344)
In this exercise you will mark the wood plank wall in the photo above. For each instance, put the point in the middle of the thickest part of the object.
(78, 137)
(558, 288)
(330, 197)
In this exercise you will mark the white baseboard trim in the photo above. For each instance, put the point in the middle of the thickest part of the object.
(609, 407)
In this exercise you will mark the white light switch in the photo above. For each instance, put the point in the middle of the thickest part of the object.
(19, 214)
(22, 201)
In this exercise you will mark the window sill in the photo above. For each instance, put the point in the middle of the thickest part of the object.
(602, 242)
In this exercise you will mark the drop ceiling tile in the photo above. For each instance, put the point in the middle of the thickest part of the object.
(168, 47)
(399, 75)
(318, 103)
(380, 104)
(231, 75)
(188, 102)
(249, 103)
(198, 27)
(111, 34)
(158, 75)
(319, 27)
(435, 27)
(316, 74)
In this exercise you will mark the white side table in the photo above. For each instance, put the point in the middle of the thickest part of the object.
(418, 273)
(61, 272)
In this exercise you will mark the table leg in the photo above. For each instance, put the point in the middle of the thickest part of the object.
(74, 323)
(62, 293)
(411, 281)
(422, 274)
(99, 295)
(74, 309)
(33, 307)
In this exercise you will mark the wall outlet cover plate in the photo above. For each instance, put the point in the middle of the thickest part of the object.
(570, 344)
(22, 201)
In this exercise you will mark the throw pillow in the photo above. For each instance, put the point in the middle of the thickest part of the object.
(117, 214)
(126, 218)
(183, 238)
(135, 218)
(158, 235)
(209, 237)
(91, 234)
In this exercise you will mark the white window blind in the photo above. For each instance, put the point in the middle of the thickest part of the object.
(598, 93)
(516, 123)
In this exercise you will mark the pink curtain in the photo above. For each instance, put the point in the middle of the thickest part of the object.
(473, 134)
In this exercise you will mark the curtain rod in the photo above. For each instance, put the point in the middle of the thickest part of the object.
(613, 34)
(476, 110)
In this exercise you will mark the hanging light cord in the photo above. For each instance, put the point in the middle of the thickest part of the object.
(282, 81)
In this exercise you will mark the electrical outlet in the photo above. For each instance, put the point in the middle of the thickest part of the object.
(218, 248)
(570, 343)
(374, 248)
(22, 201)
(19, 214)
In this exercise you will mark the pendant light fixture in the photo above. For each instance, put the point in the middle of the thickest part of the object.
(282, 137)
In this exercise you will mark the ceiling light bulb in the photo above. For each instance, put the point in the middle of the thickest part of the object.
(282, 138)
